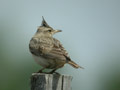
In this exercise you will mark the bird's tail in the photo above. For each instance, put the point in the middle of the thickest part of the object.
(73, 64)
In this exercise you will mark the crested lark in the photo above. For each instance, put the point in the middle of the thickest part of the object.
(48, 51)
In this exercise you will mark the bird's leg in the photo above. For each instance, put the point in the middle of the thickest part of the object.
(40, 71)
(53, 71)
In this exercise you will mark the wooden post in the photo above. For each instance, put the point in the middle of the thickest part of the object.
(40, 81)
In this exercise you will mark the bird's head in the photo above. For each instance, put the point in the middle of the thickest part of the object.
(46, 30)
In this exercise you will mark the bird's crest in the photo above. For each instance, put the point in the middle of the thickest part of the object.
(44, 23)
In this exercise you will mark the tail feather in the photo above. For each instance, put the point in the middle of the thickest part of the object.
(73, 64)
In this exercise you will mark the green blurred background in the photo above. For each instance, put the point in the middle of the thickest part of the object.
(91, 35)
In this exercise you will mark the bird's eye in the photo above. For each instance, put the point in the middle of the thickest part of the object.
(49, 30)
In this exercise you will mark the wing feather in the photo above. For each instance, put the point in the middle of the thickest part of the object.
(57, 52)
(48, 49)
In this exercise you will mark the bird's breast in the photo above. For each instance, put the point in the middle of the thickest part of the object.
(41, 61)
(48, 63)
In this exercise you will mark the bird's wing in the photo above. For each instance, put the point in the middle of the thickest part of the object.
(57, 52)
(48, 49)
(58, 45)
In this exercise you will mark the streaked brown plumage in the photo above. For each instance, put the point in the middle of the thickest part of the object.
(48, 51)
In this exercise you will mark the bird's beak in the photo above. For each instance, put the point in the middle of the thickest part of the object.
(56, 31)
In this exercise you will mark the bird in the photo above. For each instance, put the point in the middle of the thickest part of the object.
(48, 51)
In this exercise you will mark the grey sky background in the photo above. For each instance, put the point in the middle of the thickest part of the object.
(91, 35)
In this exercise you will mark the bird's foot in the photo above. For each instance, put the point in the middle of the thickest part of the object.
(56, 73)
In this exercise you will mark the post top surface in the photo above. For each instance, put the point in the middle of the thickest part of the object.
(38, 74)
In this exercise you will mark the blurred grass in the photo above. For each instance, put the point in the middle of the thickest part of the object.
(15, 71)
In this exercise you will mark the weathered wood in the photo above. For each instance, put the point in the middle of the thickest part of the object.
(40, 81)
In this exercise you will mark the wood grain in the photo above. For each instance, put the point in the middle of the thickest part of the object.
(40, 81)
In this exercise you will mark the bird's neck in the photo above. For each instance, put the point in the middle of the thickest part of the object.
(38, 35)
